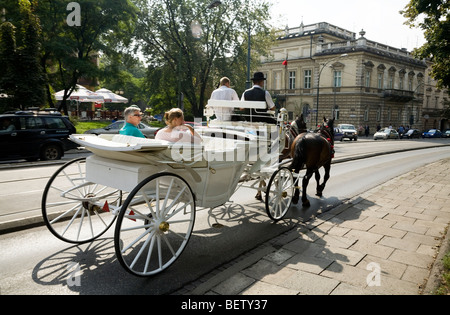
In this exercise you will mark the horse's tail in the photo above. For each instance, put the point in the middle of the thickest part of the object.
(299, 156)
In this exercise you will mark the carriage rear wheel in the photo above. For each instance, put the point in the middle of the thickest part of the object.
(154, 224)
(280, 191)
(75, 210)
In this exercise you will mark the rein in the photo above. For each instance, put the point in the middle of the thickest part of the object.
(327, 135)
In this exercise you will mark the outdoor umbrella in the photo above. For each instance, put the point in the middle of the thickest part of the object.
(111, 97)
(78, 93)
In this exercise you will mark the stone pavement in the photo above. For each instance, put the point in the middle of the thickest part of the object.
(384, 241)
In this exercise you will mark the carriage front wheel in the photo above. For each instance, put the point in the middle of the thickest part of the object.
(75, 210)
(154, 224)
(280, 191)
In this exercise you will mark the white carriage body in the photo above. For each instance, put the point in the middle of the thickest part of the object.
(212, 169)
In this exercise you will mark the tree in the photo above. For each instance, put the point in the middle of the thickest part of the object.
(433, 16)
(124, 73)
(194, 44)
(22, 77)
(70, 51)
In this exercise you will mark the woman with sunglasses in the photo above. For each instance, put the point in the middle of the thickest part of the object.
(133, 117)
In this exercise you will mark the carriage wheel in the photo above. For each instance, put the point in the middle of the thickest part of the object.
(279, 193)
(77, 211)
(154, 224)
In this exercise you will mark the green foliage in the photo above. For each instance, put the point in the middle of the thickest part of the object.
(23, 77)
(191, 62)
(433, 16)
(444, 288)
(71, 52)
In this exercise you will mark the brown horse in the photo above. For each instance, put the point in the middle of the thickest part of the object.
(312, 151)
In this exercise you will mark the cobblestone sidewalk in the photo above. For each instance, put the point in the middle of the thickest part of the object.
(385, 241)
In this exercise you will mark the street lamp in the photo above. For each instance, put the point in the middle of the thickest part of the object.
(318, 82)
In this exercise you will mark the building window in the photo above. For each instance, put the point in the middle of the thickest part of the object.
(366, 113)
(389, 114)
(380, 81)
(305, 110)
(292, 80)
(368, 73)
(277, 81)
(391, 81)
(307, 79)
(400, 83)
(336, 112)
(337, 80)
(379, 113)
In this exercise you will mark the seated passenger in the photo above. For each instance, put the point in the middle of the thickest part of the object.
(176, 130)
(133, 117)
(224, 92)
(257, 93)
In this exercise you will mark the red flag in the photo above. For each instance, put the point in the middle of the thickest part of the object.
(285, 63)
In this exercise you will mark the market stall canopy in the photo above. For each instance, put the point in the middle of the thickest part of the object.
(111, 97)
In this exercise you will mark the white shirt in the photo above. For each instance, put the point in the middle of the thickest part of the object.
(227, 94)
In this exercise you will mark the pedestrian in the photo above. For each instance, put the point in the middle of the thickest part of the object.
(257, 93)
(226, 93)
(367, 131)
(133, 117)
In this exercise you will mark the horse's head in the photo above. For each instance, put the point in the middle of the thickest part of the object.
(327, 129)
(301, 125)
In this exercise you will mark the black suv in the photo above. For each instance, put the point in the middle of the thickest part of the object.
(35, 134)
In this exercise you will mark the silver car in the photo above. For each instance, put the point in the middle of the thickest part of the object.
(385, 134)
(114, 128)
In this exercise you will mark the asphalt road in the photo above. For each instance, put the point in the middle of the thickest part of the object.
(33, 261)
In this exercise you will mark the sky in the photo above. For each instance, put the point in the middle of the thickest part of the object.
(380, 19)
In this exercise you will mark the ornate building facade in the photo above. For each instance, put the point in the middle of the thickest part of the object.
(323, 70)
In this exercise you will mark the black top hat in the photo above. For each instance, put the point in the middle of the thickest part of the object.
(258, 76)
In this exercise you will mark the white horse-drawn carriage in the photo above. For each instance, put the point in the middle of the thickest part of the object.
(154, 187)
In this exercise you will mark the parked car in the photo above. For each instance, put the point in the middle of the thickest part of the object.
(446, 134)
(432, 133)
(338, 135)
(385, 134)
(349, 131)
(411, 134)
(114, 128)
(35, 135)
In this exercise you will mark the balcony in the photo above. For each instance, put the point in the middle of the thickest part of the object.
(398, 95)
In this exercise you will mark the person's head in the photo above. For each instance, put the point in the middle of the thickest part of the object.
(132, 115)
(258, 78)
(174, 117)
(225, 81)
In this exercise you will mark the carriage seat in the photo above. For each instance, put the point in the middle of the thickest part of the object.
(259, 107)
